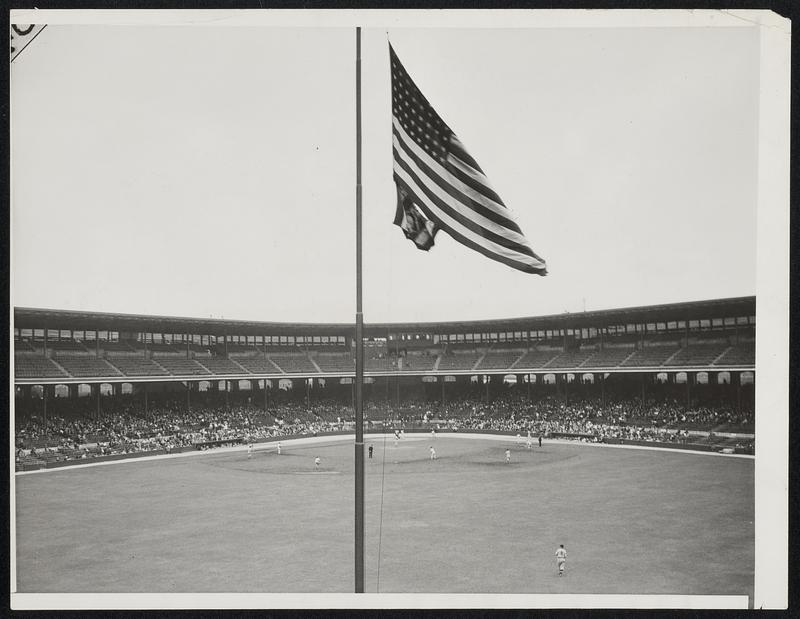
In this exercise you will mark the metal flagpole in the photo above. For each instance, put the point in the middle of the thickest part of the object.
(359, 405)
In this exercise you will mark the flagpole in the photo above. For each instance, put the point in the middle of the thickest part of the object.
(359, 405)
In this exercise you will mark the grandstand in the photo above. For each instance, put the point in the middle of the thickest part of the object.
(685, 342)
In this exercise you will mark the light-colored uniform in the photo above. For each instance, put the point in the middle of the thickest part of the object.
(279, 449)
(249, 450)
(316, 462)
(433, 454)
(561, 559)
(508, 455)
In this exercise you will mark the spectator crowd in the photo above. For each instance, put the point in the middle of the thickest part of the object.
(75, 430)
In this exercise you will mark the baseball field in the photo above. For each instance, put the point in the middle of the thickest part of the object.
(632, 520)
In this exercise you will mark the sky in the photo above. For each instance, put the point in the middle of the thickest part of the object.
(210, 171)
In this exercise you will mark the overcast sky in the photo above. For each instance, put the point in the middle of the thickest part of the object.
(210, 171)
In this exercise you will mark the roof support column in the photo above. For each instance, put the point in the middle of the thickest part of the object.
(736, 377)
(603, 389)
(45, 394)
(644, 378)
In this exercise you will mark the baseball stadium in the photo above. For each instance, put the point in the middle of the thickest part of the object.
(626, 435)
(275, 331)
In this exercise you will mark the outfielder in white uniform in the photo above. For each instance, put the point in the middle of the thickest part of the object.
(561, 559)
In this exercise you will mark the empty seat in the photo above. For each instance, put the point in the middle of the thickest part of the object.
(738, 355)
(536, 358)
(26, 366)
(220, 365)
(294, 364)
(335, 362)
(182, 367)
(499, 360)
(88, 366)
(698, 354)
(459, 361)
(257, 365)
(650, 356)
(137, 366)
(609, 357)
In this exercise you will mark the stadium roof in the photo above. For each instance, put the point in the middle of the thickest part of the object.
(37, 318)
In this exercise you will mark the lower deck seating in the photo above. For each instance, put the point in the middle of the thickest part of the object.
(28, 366)
(333, 362)
(137, 366)
(220, 365)
(459, 361)
(88, 366)
(738, 355)
(650, 356)
(182, 367)
(572, 358)
(536, 358)
(608, 357)
(384, 364)
(698, 354)
(294, 364)
(258, 365)
(499, 360)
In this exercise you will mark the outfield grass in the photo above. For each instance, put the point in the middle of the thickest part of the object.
(632, 521)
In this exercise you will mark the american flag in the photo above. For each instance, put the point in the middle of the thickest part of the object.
(440, 186)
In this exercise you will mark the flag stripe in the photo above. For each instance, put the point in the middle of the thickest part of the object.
(451, 224)
(457, 149)
(439, 199)
(531, 266)
(457, 189)
(474, 179)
